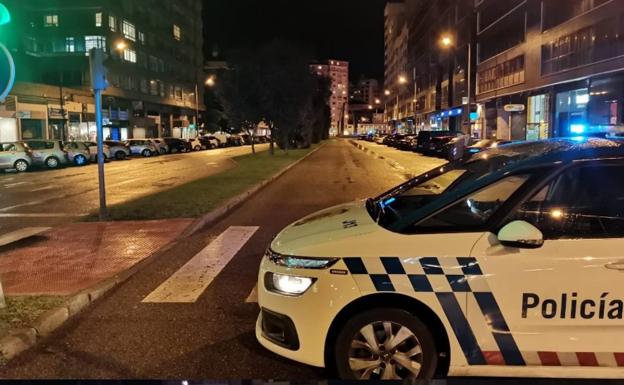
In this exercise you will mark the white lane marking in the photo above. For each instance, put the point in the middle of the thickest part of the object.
(20, 234)
(16, 184)
(253, 296)
(43, 188)
(190, 281)
(40, 215)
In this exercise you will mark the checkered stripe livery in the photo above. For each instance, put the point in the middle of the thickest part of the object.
(464, 276)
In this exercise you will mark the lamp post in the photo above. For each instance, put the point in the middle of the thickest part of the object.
(446, 41)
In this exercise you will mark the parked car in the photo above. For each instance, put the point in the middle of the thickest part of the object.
(161, 145)
(208, 143)
(483, 145)
(141, 147)
(49, 153)
(80, 152)
(379, 139)
(234, 141)
(15, 156)
(406, 142)
(118, 150)
(177, 145)
(196, 144)
(93, 149)
(222, 138)
(393, 140)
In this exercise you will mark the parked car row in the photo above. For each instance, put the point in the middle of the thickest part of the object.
(441, 144)
(52, 154)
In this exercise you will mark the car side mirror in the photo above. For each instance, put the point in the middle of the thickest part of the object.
(522, 235)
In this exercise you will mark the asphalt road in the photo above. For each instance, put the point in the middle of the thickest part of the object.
(53, 197)
(121, 337)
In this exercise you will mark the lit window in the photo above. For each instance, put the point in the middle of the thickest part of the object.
(142, 38)
(112, 23)
(70, 44)
(128, 30)
(98, 19)
(130, 55)
(177, 32)
(95, 42)
(51, 21)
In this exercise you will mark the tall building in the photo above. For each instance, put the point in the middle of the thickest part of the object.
(365, 91)
(338, 72)
(550, 67)
(154, 57)
(426, 82)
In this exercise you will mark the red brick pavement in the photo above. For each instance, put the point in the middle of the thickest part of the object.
(76, 256)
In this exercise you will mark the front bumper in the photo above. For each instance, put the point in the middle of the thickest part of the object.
(297, 327)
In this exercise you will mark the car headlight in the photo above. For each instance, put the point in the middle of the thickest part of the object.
(300, 262)
(287, 284)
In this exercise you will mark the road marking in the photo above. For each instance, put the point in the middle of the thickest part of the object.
(43, 188)
(192, 279)
(253, 296)
(16, 184)
(20, 234)
(40, 215)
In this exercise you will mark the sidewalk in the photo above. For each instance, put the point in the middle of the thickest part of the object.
(74, 257)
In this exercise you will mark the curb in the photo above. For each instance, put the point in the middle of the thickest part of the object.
(239, 199)
(392, 163)
(19, 340)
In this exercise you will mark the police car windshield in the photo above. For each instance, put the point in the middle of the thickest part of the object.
(417, 194)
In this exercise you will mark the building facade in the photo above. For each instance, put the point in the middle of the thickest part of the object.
(154, 57)
(366, 91)
(550, 68)
(427, 82)
(338, 72)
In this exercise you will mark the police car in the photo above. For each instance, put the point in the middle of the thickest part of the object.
(511, 264)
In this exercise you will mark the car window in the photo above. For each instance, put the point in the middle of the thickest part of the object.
(476, 209)
(8, 147)
(71, 145)
(37, 145)
(584, 202)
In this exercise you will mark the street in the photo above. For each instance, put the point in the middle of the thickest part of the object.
(54, 197)
(213, 337)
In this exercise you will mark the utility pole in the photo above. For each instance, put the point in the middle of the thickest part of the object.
(99, 84)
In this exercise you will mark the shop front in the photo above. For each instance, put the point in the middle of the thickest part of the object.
(538, 117)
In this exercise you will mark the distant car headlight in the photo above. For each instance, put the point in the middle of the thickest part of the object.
(300, 262)
(287, 284)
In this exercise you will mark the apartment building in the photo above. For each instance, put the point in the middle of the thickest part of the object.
(154, 56)
(338, 72)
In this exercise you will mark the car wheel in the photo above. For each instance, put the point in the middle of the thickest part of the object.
(196, 148)
(120, 155)
(146, 153)
(21, 165)
(386, 344)
(52, 162)
(80, 160)
(162, 151)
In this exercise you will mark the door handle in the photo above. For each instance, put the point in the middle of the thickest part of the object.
(615, 265)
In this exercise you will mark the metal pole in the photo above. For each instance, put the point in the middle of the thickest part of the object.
(196, 109)
(100, 147)
(470, 88)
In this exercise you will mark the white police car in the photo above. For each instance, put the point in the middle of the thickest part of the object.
(509, 265)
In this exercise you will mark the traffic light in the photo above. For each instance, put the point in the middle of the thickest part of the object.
(7, 65)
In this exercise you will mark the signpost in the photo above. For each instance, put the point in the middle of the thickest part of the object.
(99, 84)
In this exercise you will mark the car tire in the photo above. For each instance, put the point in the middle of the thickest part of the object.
(196, 148)
(21, 165)
(383, 362)
(146, 153)
(80, 160)
(52, 162)
(174, 150)
(120, 155)
(162, 151)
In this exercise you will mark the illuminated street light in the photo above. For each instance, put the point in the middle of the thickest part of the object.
(387, 92)
(370, 107)
(210, 82)
(377, 101)
(121, 45)
(402, 79)
(446, 41)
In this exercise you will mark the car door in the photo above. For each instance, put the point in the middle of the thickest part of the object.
(5, 155)
(560, 304)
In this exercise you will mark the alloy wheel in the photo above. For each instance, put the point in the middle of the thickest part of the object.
(21, 166)
(52, 163)
(385, 350)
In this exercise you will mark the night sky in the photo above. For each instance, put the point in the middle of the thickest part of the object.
(332, 29)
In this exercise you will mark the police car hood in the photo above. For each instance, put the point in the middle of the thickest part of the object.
(314, 234)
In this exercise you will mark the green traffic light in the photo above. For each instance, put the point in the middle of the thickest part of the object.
(5, 15)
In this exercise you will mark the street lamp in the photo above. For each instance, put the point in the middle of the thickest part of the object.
(121, 45)
(446, 41)
(211, 81)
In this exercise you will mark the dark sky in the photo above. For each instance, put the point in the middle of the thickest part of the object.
(334, 29)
